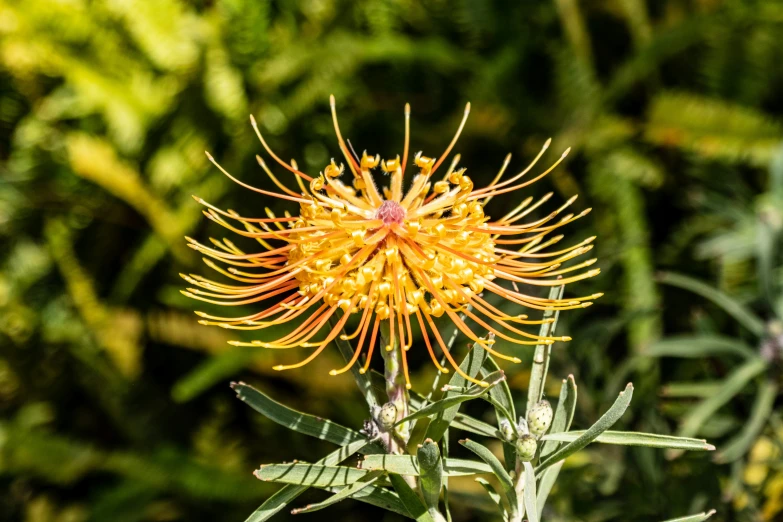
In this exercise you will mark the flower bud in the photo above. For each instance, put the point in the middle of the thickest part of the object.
(507, 430)
(526, 447)
(539, 418)
(388, 415)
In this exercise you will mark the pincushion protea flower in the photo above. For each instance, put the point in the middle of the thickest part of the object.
(389, 256)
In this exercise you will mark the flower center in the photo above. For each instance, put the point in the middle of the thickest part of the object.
(390, 212)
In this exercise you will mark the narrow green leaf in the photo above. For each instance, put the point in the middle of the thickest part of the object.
(410, 499)
(701, 517)
(535, 390)
(449, 344)
(570, 402)
(759, 415)
(501, 393)
(315, 475)
(494, 495)
(471, 365)
(529, 495)
(497, 469)
(697, 346)
(302, 422)
(213, 370)
(274, 504)
(398, 464)
(546, 484)
(629, 438)
(701, 390)
(346, 492)
(409, 465)
(564, 414)
(445, 454)
(500, 409)
(288, 493)
(730, 305)
(604, 423)
(732, 385)
(473, 425)
(379, 497)
(501, 397)
(440, 406)
(457, 467)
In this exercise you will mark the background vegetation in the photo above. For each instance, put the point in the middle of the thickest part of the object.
(115, 403)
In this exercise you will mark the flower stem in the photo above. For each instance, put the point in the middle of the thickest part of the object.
(395, 386)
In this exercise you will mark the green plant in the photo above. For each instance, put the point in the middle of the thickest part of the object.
(105, 110)
(744, 239)
(407, 471)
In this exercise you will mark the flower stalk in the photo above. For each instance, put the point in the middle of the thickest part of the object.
(396, 390)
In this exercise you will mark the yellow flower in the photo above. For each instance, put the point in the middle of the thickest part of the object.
(390, 256)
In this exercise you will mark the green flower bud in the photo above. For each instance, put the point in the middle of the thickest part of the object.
(388, 415)
(508, 431)
(539, 418)
(431, 473)
(526, 447)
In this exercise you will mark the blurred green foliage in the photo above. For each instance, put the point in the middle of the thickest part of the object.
(115, 403)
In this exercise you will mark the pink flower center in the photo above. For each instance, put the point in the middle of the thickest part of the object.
(390, 212)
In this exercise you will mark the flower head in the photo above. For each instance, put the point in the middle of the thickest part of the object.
(390, 256)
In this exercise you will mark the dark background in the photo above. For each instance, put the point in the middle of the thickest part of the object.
(115, 403)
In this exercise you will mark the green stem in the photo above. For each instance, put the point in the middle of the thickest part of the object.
(395, 386)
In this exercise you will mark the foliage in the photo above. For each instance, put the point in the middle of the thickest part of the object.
(113, 401)
(389, 474)
(745, 237)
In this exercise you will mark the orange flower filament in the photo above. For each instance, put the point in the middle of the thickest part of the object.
(390, 256)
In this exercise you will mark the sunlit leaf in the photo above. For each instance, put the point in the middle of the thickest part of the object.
(628, 438)
(497, 469)
(345, 493)
(288, 493)
(474, 392)
(378, 496)
(604, 423)
(494, 496)
(529, 495)
(408, 465)
(315, 475)
(540, 366)
(410, 499)
(473, 425)
(501, 398)
(212, 371)
(546, 484)
(564, 414)
(701, 517)
(302, 422)
(471, 365)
